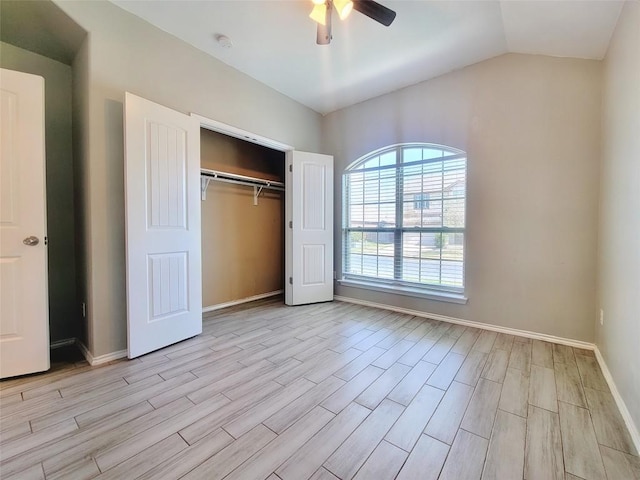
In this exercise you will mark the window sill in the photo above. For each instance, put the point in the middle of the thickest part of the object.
(436, 295)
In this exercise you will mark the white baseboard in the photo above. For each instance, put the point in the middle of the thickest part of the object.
(100, 359)
(622, 406)
(470, 323)
(220, 306)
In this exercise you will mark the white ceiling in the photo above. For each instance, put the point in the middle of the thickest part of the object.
(274, 41)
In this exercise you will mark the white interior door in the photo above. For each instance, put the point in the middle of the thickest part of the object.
(309, 236)
(162, 176)
(24, 303)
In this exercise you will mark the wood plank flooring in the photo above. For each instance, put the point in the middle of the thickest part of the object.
(327, 391)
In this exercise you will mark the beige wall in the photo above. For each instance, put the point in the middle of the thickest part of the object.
(242, 243)
(619, 241)
(127, 54)
(531, 128)
(63, 307)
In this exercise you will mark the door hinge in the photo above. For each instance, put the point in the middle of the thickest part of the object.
(46, 240)
(290, 280)
(290, 224)
(291, 167)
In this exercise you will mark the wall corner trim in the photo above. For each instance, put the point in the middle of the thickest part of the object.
(100, 359)
(470, 323)
(622, 406)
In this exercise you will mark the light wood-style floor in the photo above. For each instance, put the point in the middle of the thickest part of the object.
(322, 391)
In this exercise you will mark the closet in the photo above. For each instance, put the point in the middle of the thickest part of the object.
(231, 233)
(242, 212)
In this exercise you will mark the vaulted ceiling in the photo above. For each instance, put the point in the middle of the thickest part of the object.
(274, 41)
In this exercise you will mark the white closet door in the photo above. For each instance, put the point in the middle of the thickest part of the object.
(162, 176)
(309, 249)
(24, 310)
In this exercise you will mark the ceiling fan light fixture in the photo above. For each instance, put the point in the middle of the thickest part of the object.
(319, 13)
(343, 7)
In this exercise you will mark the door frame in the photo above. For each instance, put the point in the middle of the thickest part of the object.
(220, 127)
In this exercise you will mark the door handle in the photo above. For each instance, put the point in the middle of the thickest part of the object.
(31, 241)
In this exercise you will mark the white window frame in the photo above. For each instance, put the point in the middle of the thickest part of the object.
(453, 294)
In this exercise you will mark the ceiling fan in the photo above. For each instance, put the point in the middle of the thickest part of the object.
(323, 9)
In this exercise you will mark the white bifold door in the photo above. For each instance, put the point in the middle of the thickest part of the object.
(309, 234)
(24, 302)
(162, 176)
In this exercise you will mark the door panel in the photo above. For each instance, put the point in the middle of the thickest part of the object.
(24, 310)
(309, 252)
(162, 170)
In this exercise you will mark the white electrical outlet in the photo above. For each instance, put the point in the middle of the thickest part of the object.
(601, 317)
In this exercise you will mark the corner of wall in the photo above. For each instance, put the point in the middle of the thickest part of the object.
(618, 275)
(622, 406)
(80, 138)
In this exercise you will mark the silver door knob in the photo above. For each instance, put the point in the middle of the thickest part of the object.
(31, 241)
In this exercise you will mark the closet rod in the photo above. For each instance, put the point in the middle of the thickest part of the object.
(242, 179)
(258, 184)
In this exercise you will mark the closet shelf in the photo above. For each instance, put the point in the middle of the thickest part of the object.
(258, 184)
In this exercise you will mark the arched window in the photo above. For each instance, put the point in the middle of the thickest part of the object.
(404, 217)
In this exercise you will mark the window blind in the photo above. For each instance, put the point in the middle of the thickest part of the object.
(404, 217)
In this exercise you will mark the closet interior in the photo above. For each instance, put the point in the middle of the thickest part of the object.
(242, 220)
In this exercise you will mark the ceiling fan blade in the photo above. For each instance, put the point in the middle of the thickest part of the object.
(374, 10)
